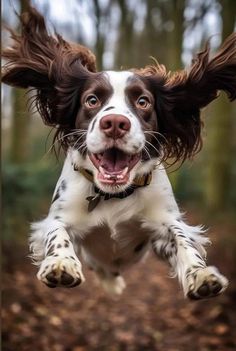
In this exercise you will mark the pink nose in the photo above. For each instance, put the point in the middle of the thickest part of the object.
(115, 126)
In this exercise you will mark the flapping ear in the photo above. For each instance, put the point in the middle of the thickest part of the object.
(180, 97)
(56, 68)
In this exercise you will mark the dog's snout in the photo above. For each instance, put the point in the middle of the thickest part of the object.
(115, 126)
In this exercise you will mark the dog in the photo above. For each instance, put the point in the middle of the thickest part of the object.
(113, 202)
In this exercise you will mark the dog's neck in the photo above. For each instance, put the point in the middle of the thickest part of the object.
(93, 201)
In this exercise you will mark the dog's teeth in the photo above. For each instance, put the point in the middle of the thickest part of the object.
(113, 176)
(123, 174)
(105, 175)
(101, 170)
(125, 171)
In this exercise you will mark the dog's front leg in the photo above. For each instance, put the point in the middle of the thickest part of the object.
(53, 250)
(183, 247)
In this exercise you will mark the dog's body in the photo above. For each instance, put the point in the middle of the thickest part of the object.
(113, 201)
(117, 233)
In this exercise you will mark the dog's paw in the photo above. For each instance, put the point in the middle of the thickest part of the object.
(61, 271)
(113, 285)
(206, 282)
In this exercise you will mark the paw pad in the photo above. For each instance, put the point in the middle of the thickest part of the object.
(208, 282)
(64, 273)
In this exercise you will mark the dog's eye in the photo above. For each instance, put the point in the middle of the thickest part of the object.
(92, 101)
(143, 102)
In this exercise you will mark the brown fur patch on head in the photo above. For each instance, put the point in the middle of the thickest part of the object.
(57, 70)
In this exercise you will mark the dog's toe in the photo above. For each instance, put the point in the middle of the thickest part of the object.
(66, 279)
(203, 290)
(50, 285)
(51, 278)
(216, 287)
(78, 281)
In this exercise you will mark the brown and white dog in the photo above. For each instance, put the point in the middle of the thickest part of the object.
(113, 202)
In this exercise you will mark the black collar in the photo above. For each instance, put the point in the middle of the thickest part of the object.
(93, 201)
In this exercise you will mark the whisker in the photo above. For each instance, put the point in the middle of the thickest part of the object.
(80, 132)
(154, 132)
(63, 137)
(77, 141)
(153, 147)
(82, 147)
(158, 141)
(146, 150)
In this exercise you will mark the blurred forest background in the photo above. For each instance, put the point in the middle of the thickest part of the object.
(123, 34)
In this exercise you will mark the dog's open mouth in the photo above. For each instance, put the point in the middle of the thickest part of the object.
(114, 165)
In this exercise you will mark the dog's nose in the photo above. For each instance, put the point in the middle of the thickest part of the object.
(115, 126)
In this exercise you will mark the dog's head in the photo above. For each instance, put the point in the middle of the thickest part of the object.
(117, 123)
(120, 122)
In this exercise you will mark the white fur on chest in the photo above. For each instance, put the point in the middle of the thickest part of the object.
(155, 199)
(116, 227)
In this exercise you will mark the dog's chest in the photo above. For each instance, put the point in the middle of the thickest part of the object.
(117, 247)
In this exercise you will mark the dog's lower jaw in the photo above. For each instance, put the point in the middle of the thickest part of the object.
(116, 187)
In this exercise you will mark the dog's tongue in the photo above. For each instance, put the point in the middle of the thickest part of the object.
(114, 160)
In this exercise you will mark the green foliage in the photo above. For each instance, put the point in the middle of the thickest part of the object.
(27, 189)
(232, 194)
(189, 185)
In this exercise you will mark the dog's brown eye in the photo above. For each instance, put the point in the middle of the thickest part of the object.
(143, 102)
(92, 101)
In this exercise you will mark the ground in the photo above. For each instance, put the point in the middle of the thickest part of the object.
(151, 315)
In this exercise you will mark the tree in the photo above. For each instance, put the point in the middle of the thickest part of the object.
(101, 16)
(220, 129)
(126, 36)
(175, 9)
(175, 44)
(20, 117)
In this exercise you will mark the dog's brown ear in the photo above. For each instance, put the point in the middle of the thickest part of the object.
(48, 63)
(200, 85)
(181, 96)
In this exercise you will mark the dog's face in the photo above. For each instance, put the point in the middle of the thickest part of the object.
(117, 113)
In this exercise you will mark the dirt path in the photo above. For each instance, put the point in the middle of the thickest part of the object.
(151, 315)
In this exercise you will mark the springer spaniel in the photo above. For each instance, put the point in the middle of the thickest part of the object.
(113, 202)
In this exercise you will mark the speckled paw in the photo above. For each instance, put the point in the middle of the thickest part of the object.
(64, 272)
(205, 283)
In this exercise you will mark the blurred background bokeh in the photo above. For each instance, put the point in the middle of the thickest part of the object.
(151, 315)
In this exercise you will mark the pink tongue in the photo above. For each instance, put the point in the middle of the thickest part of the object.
(114, 160)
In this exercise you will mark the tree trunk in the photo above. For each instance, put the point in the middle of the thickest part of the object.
(220, 138)
(20, 119)
(100, 39)
(123, 57)
(174, 47)
(176, 35)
